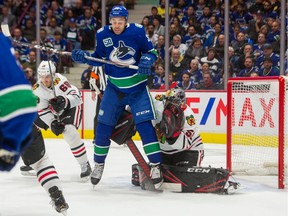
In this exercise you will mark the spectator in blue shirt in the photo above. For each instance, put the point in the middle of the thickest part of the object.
(268, 53)
(268, 69)
(186, 83)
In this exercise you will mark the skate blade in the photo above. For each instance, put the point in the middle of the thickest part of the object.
(28, 173)
(93, 187)
(64, 213)
(85, 179)
(149, 186)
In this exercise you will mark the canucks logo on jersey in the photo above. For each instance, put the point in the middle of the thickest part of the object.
(123, 54)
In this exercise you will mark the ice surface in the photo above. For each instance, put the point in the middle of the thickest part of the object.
(115, 195)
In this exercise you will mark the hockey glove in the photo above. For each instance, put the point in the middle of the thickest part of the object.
(57, 127)
(79, 56)
(145, 64)
(9, 158)
(59, 103)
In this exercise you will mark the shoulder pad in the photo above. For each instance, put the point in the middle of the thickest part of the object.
(35, 86)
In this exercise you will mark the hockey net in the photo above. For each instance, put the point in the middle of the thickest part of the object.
(257, 127)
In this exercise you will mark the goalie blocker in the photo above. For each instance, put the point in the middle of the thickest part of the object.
(125, 128)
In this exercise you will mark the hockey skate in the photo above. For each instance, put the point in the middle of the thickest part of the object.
(231, 187)
(85, 171)
(27, 171)
(58, 201)
(156, 175)
(97, 173)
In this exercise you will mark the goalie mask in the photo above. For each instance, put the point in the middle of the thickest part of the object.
(45, 67)
(176, 95)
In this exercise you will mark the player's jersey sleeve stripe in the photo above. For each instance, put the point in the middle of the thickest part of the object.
(43, 112)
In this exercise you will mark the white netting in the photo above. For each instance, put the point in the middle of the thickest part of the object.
(255, 139)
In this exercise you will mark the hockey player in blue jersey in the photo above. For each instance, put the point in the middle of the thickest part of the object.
(17, 108)
(124, 44)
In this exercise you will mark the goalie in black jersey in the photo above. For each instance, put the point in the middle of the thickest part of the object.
(182, 148)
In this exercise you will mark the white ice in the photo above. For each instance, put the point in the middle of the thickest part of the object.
(115, 195)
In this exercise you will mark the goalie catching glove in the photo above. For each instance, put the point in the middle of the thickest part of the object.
(59, 103)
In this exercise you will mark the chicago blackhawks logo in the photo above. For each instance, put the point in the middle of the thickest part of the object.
(56, 81)
(123, 54)
(159, 97)
(190, 120)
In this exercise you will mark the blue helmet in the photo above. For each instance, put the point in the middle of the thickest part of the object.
(119, 11)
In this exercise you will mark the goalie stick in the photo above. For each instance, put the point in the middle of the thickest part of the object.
(122, 134)
(6, 32)
(147, 183)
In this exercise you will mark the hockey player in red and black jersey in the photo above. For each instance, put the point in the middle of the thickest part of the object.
(182, 149)
(37, 162)
(59, 107)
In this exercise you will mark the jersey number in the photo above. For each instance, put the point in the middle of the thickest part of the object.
(65, 86)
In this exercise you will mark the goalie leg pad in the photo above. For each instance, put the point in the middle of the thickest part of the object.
(197, 179)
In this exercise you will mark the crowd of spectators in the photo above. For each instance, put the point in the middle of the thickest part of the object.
(196, 41)
(196, 36)
(64, 25)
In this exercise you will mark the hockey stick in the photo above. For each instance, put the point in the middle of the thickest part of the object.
(53, 85)
(146, 181)
(6, 32)
(122, 134)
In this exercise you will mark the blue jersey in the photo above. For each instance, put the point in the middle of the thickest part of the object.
(127, 49)
(274, 57)
(17, 101)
